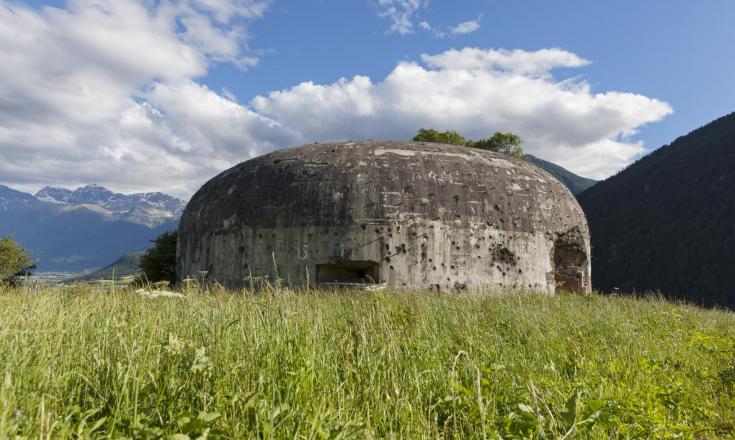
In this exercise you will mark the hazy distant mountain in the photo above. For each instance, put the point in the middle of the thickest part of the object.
(11, 199)
(667, 222)
(575, 183)
(86, 228)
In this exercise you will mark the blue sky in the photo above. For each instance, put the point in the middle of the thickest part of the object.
(143, 95)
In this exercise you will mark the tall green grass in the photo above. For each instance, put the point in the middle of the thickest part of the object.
(75, 362)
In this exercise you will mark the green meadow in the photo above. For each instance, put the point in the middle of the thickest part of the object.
(76, 362)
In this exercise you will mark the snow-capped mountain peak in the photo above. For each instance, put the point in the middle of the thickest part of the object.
(53, 195)
(149, 209)
(91, 194)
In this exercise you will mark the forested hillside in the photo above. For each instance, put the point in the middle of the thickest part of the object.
(667, 222)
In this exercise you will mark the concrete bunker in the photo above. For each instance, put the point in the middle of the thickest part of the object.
(404, 214)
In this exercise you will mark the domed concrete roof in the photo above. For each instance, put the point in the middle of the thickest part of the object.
(291, 193)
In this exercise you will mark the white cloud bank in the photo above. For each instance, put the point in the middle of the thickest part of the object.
(106, 92)
(476, 92)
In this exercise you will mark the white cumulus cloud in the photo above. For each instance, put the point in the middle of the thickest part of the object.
(83, 92)
(516, 61)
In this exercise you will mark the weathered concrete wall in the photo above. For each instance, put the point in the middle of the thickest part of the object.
(426, 215)
(409, 254)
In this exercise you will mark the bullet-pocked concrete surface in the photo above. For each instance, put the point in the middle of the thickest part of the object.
(406, 214)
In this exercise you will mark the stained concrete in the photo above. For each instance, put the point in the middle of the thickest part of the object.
(407, 214)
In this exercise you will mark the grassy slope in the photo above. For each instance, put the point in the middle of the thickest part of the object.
(355, 365)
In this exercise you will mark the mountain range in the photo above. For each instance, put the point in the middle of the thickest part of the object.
(87, 228)
(667, 222)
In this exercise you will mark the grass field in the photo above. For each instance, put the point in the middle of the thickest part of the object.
(75, 362)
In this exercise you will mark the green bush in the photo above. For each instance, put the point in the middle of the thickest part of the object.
(440, 137)
(14, 262)
(159, 262)
(506, 143)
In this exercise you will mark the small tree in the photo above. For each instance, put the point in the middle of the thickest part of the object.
(440, 137)
(159, 262)
(506, 143)
(14, 262)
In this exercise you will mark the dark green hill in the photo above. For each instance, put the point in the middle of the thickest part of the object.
(667, 222)
(123, 266)
(575, 183)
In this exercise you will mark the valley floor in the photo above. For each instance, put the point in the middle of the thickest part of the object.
(348, 365)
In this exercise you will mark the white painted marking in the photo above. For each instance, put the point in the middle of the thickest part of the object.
(381, 151)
